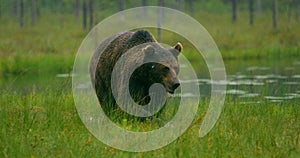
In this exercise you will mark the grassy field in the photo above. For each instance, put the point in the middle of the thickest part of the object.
(37, 125)
(41, 121)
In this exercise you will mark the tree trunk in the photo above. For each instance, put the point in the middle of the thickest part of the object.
(297, 11)
(160, 17)
(289, 11)
(84, 14)
(33, 12)
(121, 5)
(251, 12)
(234, 10)
(275, 12)
(77, 7)
(144, 4)
(0, 9)
(191, 6)
(61, 13)
(14, 8)
(21, 12)
(181, 5)
(91, 13)
(259, 8)
(38, 12)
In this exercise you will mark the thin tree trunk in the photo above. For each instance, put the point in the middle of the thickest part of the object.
(191, 6)
(0, 9)
(61, 13)
(121, 8)
(234, 10)
(33, 12)
(160, 17)
(144, 4)
(21, 13)
(84, 14)
(14, 8)
(259, 8)
(297, 8)
(121, 5)
(275, 12)
(38, 11)
(289, 11)
(251, 12)
(77, 7)
(181, 5)
(91, 13)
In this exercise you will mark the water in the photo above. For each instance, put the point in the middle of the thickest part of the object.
(256, 81)
(251, 81)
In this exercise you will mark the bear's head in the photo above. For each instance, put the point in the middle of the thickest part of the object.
(165, 69)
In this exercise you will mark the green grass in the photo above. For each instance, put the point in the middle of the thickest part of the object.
(34, 64)
(36, 125)
(57, 36)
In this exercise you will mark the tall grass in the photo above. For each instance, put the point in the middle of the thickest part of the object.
(55, 36)
(35, 64)
(37, 125)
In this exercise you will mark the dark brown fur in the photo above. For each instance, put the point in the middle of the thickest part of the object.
(143, 77)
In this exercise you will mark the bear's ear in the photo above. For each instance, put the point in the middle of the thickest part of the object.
(177, 49)
(149, 50)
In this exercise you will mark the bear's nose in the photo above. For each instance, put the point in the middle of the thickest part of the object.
(175, 85)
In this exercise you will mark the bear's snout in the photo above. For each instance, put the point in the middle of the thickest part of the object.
(175, 85)
(171, 89)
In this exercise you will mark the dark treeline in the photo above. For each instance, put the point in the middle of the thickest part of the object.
(85, 10)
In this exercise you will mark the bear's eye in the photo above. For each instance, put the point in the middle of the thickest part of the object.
(152, 67)
(165, 69)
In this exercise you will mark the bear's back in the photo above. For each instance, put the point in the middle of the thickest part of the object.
(112, 49)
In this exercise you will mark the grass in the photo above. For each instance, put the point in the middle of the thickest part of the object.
(54, 40)
(43, 122)
(53, 35)
(36, 125)
(34, 64)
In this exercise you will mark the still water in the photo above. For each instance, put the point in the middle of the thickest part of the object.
(256, 81)
(251, 81)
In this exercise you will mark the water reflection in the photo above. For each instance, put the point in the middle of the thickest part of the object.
(276, 101)
(249, 102)
(250, 95)
(256, 84)
(254, 68)
(279, 97)
(296, 76)
(65, 75)
(296, 63)
(236, 92)
(246, 82)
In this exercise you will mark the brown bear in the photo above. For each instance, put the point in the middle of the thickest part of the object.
(144, 45)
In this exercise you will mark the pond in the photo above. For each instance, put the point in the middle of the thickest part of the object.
(255, 81)
(251, 81)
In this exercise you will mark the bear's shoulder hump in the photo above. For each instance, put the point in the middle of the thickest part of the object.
(142, 36)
